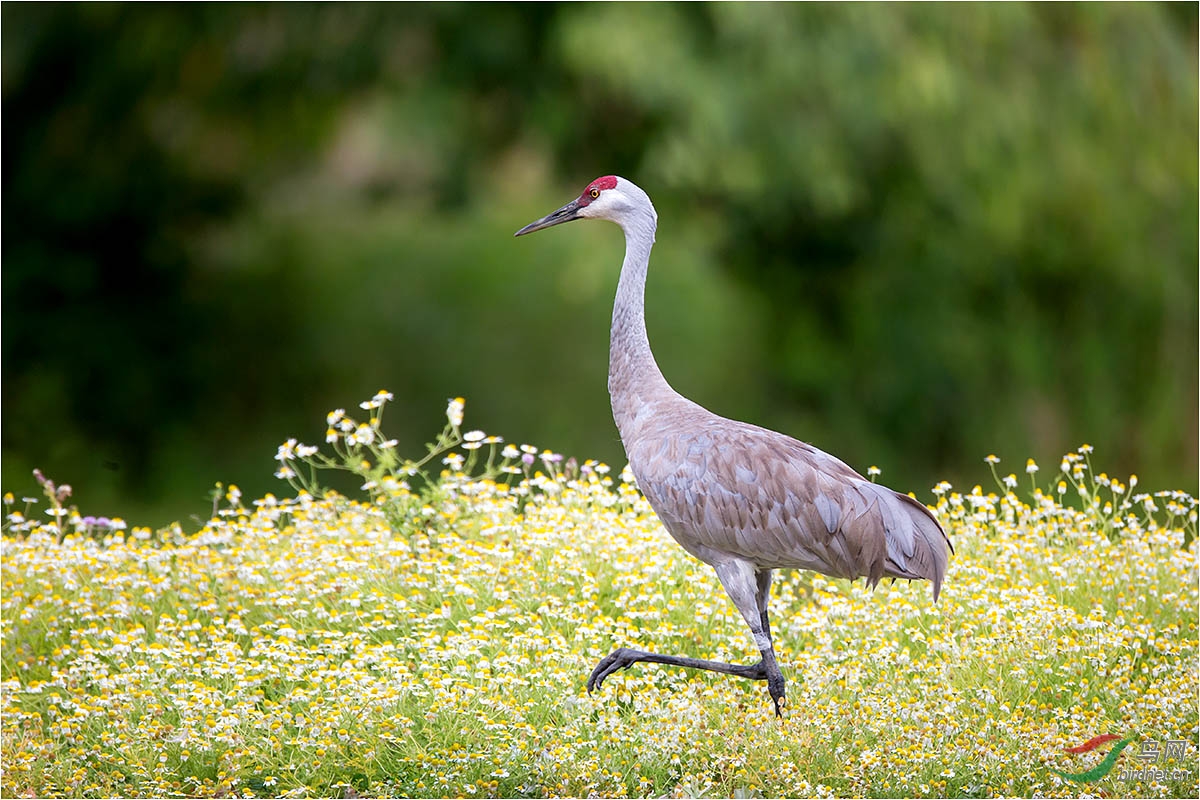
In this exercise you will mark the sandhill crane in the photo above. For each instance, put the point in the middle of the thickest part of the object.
(743, 499)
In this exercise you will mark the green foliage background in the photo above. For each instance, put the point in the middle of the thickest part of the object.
(912, 235)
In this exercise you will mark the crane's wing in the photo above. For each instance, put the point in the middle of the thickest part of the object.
(728, 489)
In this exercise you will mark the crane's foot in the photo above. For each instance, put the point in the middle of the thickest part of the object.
(625, 657)
(621, 658)
(778, 695)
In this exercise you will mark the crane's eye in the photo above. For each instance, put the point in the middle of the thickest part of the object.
(594, 192)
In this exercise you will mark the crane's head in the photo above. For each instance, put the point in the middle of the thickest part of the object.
(610, 198)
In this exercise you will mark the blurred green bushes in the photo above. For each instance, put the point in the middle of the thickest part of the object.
(912, 235)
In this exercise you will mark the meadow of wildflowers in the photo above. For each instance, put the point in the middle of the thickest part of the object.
(433, 639)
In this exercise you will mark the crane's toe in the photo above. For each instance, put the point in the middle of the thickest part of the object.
(775, 686)
(621, 658)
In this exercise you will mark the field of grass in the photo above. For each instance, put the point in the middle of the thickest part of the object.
(433, 639)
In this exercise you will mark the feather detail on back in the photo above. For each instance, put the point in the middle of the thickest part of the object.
(727, 489)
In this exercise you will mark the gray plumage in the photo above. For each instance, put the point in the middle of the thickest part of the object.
(744, 499)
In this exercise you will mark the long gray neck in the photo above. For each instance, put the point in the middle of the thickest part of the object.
(634, 379)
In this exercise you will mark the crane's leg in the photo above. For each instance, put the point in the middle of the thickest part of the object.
(763, 597)
(750, 591)
(744, 588)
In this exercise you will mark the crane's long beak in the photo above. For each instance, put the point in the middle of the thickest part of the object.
(565, 214)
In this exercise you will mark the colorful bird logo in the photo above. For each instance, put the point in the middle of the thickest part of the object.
(1104, 767)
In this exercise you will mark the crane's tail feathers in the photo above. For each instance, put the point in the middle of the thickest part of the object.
(917, 547)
